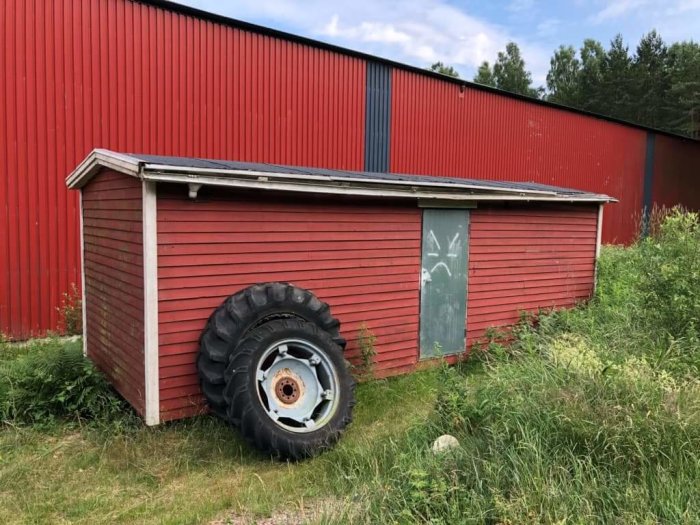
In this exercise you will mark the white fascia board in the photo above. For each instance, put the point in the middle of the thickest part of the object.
(150, 304)
(165, 168)
(102, 158)
(408, 190)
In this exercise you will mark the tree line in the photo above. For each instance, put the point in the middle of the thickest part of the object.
(657, 85)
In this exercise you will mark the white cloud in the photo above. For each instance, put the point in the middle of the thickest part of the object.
(618, 8)
(548, 27)
(684, 6)
(417, 32)
(518, 6)
(655, 11)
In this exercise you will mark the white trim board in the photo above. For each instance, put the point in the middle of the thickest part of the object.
(150, 304)
(598, 241)
(83, 298)
(293, 179)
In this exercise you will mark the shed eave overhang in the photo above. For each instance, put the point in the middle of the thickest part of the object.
(271, 182)
(98, 159)
(334, 183)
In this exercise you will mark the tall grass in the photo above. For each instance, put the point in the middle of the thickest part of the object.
(50, 381)
(590, 415)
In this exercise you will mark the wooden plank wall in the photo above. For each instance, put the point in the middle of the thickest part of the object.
(527, 258)
(363, 259)
(112, 218)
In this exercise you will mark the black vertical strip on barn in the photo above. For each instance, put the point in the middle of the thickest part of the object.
(647, 196)
(377, 117)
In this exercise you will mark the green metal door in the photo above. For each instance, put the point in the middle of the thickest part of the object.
(443, 306)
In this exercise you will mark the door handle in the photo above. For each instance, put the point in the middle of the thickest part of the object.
(425, 277)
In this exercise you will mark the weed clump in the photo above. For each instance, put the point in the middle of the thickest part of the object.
(51, 380)
(71, 311)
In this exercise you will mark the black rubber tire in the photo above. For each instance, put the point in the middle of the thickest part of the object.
(247, 412)
(243, 311)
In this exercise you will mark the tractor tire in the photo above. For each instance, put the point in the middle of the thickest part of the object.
(244, 311)
(289, 390)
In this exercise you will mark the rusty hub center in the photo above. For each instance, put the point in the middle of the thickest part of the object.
(287, 390)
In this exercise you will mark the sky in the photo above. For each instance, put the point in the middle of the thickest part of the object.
(465, 33)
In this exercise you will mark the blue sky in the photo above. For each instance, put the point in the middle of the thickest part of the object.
(464, 33)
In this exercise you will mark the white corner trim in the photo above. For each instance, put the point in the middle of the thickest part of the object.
(599, 232)
(598, 240)
(150, 303)
(83, 306)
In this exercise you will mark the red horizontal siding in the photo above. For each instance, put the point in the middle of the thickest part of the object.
(437, 128)
(81, 74)
(114, 282)
(526, 259)
(363, 259)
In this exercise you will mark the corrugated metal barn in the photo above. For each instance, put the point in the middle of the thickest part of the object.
(418, 260)
(115, 74)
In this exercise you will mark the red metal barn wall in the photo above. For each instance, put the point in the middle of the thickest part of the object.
(112, 217)
(438, 129)
(523, 258)
(362, 259)
(130, 77)
(676, 175)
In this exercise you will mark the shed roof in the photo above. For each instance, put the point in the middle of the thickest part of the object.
(198, 172)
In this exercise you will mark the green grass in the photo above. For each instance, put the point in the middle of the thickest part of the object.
(588, 416)
(81, 471)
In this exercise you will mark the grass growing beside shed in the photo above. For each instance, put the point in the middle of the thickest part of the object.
(591, 416)
(108, 468)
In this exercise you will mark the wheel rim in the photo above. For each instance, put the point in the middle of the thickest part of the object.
(297, 385)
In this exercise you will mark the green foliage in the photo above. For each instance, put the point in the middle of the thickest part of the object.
(510, 74)
(683, 98)
(657, 86)
(670, 279)
(590, 415)
(51, 380)
(71, 312)
(484, 75)
(366, 340)
(441, 68)
(563, 76)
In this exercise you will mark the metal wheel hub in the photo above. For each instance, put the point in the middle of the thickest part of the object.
(297, 385)
(287, 388)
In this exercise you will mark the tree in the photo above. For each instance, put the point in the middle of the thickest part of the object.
(563, 77)
(484, 75)
(441, 68)
(651, 80)
(510, 74)
(590, 78)
(616, 81)
(684, 95)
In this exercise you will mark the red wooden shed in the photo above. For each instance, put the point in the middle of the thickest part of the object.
(427, 264)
